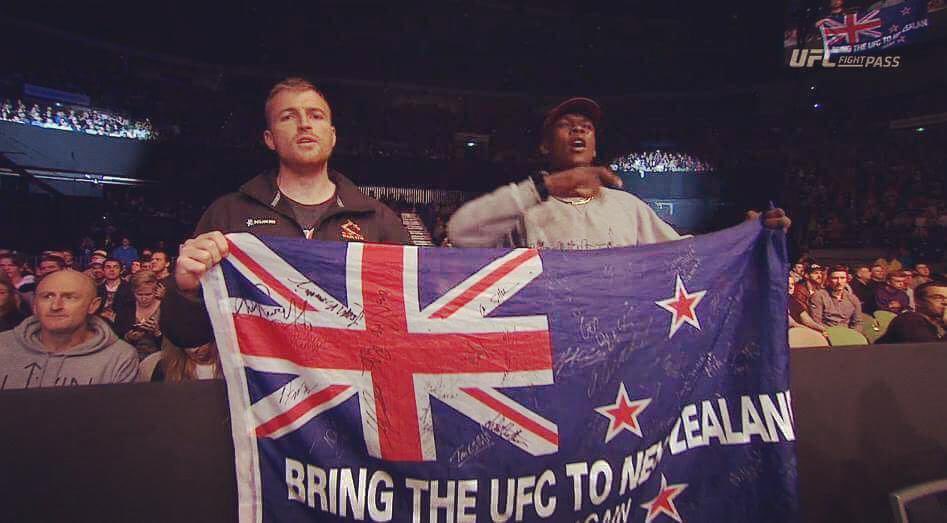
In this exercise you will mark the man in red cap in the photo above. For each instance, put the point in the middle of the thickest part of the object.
(570, 206)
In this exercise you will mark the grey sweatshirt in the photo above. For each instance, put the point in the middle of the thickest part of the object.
(514, 215)
(103, 358)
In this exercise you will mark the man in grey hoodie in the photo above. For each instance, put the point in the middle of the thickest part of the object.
(570, 206)
(64, 342)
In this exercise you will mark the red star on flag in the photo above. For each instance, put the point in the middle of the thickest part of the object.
(623, 414)
(682, 307)
(663, 503)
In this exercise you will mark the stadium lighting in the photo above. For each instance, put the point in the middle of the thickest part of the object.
(816, 105)
(920, 129)
(812, 88)
(471, 144)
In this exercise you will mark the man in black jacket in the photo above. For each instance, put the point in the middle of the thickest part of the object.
(928, 324)
(303, 198)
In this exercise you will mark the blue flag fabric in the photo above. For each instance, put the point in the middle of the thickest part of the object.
(875, 29)
(387, 383)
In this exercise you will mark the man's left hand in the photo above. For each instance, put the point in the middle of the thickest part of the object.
(772, 219)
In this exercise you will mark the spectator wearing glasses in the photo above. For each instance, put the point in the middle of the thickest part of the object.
(927, 324)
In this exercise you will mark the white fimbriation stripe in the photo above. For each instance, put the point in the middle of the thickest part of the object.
(249, 483)
(447, 388)
(422, 400)
(272, 406)
(526, 271)
(512, 405)
(499, 424)
(366, 403)
(258, 283)
(353, 283)
(471, 318)
(313, 376)
(328, 309)
(412, 302)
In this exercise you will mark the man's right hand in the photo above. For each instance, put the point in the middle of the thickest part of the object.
(583, 182)
(196, 257)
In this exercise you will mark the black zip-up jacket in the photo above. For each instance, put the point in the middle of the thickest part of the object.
(259, 208)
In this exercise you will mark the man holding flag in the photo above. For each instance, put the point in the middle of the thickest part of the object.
(393, 383)
(573, 204)
(304, 198)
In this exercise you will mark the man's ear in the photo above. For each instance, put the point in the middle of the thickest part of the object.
(94, 305)
(268, 140)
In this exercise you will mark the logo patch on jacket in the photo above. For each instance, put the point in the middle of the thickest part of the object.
(260, 221)
(351, 231)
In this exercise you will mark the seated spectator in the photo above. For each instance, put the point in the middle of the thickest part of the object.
(125, 253)
(798, 315)
(161, 267)
(908, 280)
(925, 325)
(922, 275)
(836, 305)
(812, 283)
(137, 323)
(64, 343)
(890, 262)
(798, 271)
(14, 267)
(174, 364)
(892, 297)
(69, 258)
(96, 271)
(864, 288)
(879, 275)
(49, 264)
(132, 270)
(10, 313)
(114, 293)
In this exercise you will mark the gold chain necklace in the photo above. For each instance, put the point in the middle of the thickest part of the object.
(583, 201)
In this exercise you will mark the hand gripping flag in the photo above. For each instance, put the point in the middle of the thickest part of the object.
(376, 382)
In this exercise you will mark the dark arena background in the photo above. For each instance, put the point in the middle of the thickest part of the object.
(125, 120)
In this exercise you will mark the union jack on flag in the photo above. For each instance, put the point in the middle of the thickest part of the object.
(852, 28)
(874, 29)
(370, 382)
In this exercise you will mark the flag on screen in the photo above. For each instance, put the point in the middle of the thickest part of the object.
(874, 29)
(374, 382)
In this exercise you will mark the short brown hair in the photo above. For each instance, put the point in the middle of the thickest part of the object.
(897, 274)
(922, 290)
(838, 268)
(293, 83)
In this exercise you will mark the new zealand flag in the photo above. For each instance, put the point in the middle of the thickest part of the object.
(874, 29)
(374, 382)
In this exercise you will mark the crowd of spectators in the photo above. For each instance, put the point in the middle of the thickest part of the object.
(892, 300)
(659, 161)
(123, 311)
(78, 119)
(898, 298)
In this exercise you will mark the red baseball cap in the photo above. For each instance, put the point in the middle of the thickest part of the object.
(577, 105)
